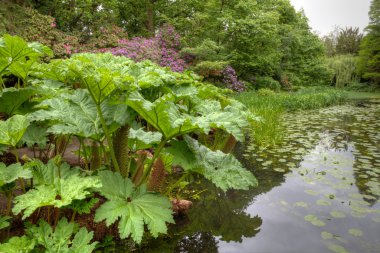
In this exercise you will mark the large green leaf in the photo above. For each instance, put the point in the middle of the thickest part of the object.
(140, 139)
(101, 74)
(34, 135)
(13, 129)
(4, 221)
(60, 240)
(171, 120)
(134, 207)
(11, 99)
(14, 50)
(18, 244)
(162, 114)
(71, 114)
(224, 170)
(57, 186)
(13, 172)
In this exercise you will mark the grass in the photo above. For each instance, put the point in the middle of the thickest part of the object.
(270, 106)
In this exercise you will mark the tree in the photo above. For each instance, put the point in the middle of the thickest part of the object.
(369, 55)
(348, 41)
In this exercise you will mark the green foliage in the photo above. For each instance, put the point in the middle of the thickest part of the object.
(17, 56)
(140, 139)
(9, 174)
(17, 245)
(83, 206)
(267, 83)
(4, 221)
(134, 206)
(222, 169)
(11, 99)
(35, 134)
(57, 186)
(271, 106)
(344, 67)
(65, 238)
(71, 114)
(12, 130)
(369, 60)
(343, 41)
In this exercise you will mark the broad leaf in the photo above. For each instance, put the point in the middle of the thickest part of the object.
(14, 50)
(71, 114)
(56, 186)
(224, 170)
(171, 121)
(59, 240)
(13, 129)
(134, 207)
(17, 244)
(11, 99)
(34, 135)
(140, 139)
(4, 221)
(13, 172)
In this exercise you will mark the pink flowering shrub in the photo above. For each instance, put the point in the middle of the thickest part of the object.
(162, 49)
(231, 80)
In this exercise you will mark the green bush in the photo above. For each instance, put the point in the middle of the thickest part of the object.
(267, 83)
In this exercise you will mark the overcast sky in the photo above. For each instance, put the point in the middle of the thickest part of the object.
(325, 14)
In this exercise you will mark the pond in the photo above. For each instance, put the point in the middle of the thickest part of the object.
(319, 192)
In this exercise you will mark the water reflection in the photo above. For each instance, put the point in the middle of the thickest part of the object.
(319, 192)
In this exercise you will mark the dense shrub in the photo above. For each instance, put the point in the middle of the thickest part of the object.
(267, 83)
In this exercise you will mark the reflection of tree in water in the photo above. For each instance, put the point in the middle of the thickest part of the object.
(200, 242)
(367, 145)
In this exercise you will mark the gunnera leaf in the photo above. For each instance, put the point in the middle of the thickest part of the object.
(133, 206)
(17, 245)
(13, 172)
(59, 239)
(224, 170)
(13, 129)
(55, 187)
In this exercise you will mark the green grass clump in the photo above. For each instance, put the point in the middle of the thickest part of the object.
(271, 106)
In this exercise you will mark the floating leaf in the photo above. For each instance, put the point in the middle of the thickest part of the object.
(355, 232)
(337, 248)
(326, 235)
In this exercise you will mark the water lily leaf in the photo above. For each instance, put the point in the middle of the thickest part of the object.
(326, 235)
(355, 232)
(337, 248)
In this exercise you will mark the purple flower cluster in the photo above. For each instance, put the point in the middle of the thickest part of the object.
(162, 49)
(231, 80)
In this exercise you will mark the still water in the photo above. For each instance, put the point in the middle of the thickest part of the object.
(319, 192)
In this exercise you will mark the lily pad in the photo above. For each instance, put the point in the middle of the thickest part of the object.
(355, 232)
(337, 248)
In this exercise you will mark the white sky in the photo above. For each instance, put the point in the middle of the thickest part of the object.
(323, 15)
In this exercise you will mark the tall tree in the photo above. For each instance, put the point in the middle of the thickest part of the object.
(369, 55)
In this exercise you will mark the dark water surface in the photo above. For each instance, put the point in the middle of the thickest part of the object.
(319, 192)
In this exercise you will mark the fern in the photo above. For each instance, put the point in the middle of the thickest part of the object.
(134, 206)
